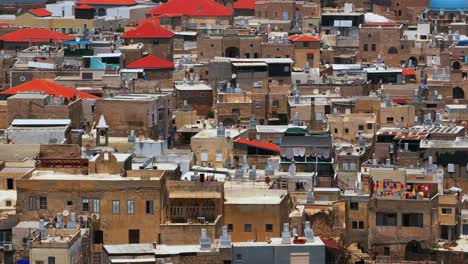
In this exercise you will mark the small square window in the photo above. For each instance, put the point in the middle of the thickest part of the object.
(346, 130)
(446, 211)
(361, 225)
(369, 126)
(354, 206)
(389, 120)
(354, 225)
(269, 228)
(230, 227)
(386, 251)
(247, 227)
(361, 127)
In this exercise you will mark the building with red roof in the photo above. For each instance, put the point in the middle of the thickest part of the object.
(154, 67)
(23, 37)
(192, 14)
(306, 50)
(47, 87)
(40, 12)
(245, 7)
(155, 38)
(101, 6)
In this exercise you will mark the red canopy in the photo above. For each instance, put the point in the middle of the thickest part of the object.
(258, 144)
(48, 87)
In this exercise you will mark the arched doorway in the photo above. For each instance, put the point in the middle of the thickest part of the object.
(232, 52)
(413, 61)
(456, 65)
(458, 93)
(413, 250)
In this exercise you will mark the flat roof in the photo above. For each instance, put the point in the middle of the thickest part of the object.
(29, 95)
(121, 157)
(277, 241)
(274, 128)
(193, 87)
(41, 122)
(257, 197)
(178, 249)
(266, 60)
(129, 249)
(213, 133)
(51, 175)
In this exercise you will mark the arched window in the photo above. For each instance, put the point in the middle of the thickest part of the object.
(458, 93)
(456, 65)
(392, 50)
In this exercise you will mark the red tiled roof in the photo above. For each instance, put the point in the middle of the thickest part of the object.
(40, 12)
(330, 243)
(171, 15)
(48, 87)
(258, 144)
(408, 71)
(84, 6)
(303, 38)
(192, 8)
(151, 62)
(4, 25)
(107, 2)
(148, 29)
(310, 52)
(35, 35)
(245, 4)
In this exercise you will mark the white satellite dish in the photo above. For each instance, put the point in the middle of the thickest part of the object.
(316, 91)
(65, 212)
(233, 76)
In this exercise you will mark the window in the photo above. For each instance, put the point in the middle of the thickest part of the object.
(247, 228)
(85, 203)
(212, 45)
(374, 47)
(389, 120)
(275, 103)
(345, 166)
(155, 42)
(386, 251)
(98, 237)
(131, 206)
(116, 207)
(352, 166)
(39, 262)
(204, 156)
(354, 225)
(247, 55)
(32, 203)
(346, 130)
(8, 203)
(219, 156)
(50, 260)
(257, 104)
(149, 207)
(255, 54)
(354, 206)
(43, 203)
(361, 127)
(412, 220)
(336, 130)
(202, 94)
(96, 206)
(365, 47)
(268, 227)
(386, 219)
(9, 183)
(392, 50)
(133, 236)
(361, 225)
(235, 111)
(446, 211)
(69, 203)
(230, 227)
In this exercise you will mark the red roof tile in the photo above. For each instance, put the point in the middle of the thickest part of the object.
(258, 144)
(151, 62)
(35, 35)
(245, 4)
(4, 25)
(303, 38)
(40, 12)
(192, 8)
(107, 2)
(48, 87)
(148, 29)
(84, 6)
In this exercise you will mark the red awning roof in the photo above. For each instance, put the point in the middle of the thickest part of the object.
(402, 100)
(258, 144)
(48, 87)
(40, 12)
(148, 29)
(35, 35)
(245, 4)
(107, 2)
(151, 62)
(408, 71)
(303, 38)
(310, 52)
(192, 8)
(84, 6)
(330, 243)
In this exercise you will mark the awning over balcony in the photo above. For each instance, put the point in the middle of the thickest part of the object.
(258, 144)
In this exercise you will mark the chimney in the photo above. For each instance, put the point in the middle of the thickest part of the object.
(310, 197)
(59, 221)
(309, 234)
(72, 223)
(205, 241)
(132, 137)
(286, 235)
(221, 131)
(42, 231)
(225, 239)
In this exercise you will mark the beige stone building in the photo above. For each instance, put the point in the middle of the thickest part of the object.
(347, 127)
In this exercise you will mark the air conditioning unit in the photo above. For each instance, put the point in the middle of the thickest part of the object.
(7, 247)
(83, 218)
(95, 217)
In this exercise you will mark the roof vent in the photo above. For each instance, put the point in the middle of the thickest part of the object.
(225, 239)
(309, 234)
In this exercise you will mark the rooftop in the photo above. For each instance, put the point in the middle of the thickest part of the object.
(35, 35)
(277, 241)
(48, 87)
(192, 8)
(151, 62)
(257, 197)
(40, 12)
(148, 29)
(212, 133)
(40, 122)
(56, 176)
(107, 2)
